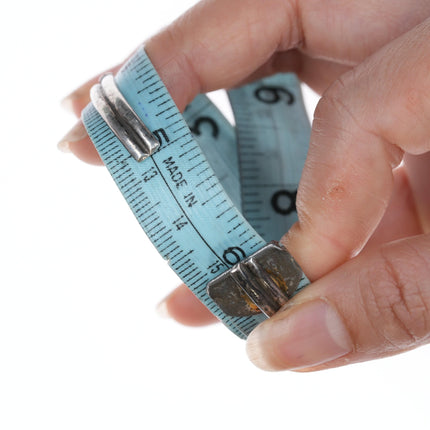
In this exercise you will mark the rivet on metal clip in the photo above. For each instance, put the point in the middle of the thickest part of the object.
(262, 282)
(122, 119)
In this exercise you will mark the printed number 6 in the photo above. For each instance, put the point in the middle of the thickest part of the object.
(271, 95)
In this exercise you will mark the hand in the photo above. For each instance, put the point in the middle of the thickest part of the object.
(363, 223)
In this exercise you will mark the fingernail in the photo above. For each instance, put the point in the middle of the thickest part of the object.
(76, 100)
(163, 310)
(304, 336)
(67, 103)
(76, 134)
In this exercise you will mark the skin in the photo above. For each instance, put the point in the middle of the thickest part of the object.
(364, 218)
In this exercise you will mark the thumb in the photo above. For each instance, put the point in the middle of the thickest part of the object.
(375, 305)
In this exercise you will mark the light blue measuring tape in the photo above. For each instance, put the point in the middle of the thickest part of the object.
(210, 197)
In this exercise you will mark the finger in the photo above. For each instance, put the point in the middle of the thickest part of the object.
(400, 221)
(217, 44)
(79, 98)
(362, 125)
(232, 37)
(373, 306)
(184, 307)
(401, 218)
(418, 168)
(207, 49)
(77, 141)
(316, 73)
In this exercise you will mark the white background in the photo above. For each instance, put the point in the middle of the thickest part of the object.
(81, 346)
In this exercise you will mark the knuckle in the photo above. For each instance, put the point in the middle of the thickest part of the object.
(185, 60)
(340, 111)
(396, 302)
(335, 108)
(407, 126)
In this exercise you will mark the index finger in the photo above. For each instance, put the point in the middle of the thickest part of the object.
(205, 49)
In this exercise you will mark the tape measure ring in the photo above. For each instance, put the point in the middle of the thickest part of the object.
(175, 193)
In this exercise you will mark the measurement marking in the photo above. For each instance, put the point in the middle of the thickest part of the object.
(185, 269)
(185, 263)
(233, 218)
(151, 207)
(163, 103)
(235, 227)
(112, 155)
(187, 152)
(157, 89)
(224, 212)
(132, 179)
(157, 98)
(173, 123)
(163, 241)
(192, 277)
(107, 143)
(131, 187)
(126, 169)
(184, 256)
(154, 227)
(196, 165)
(243, 232)
(204, 282)
(255, 244)
(203, 171)
(166, 110)
(211, 198)
(138, 198)
(146, 80)
(148, 216)
(171, 116)
(164, 234)
(213, 186)
(221, 203)
(247, 240)
(154, 220)
(140, 209)
(147, 87)
(162, 250)
(143, 74)
(159, 231)
(195, 156)
(187, 143)
(185, 275)
(181, 128)
(204, 180)
(173, 250)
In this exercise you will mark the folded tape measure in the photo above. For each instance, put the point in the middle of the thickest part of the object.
(211, 197)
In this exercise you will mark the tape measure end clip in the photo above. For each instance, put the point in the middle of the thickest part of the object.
(122, 119)
(262, 282)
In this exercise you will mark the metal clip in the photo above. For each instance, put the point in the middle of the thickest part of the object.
(263, 282)
(122, 119)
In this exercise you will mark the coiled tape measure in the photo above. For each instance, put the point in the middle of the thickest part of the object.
(210, 197)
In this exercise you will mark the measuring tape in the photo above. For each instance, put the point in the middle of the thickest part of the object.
(211, 197)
